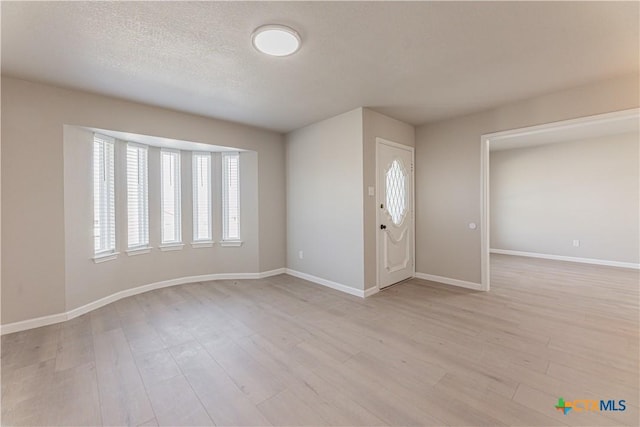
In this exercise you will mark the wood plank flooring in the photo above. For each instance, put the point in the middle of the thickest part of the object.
(281, 351)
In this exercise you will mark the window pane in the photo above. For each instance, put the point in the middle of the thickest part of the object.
(231, 196)
(137, 196)
(396, 186)
(98, 173)
(104, 219)
(170, 183)
(201, 196)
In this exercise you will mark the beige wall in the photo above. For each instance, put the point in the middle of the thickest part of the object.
(324, 199)
(448, 169)
(33, 194)
(544, 197)
(376, 125)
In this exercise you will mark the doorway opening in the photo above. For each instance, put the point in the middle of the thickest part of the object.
(542, 216)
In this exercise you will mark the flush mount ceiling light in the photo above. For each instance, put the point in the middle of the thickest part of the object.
(276, 40)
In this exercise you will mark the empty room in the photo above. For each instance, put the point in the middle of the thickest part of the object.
(320, 213)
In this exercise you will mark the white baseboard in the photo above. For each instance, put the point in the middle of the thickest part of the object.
(328, 283)
(32, 323)
(370, 291)
(449, 281)
(568, 258)
(270, 273)
(79, 311)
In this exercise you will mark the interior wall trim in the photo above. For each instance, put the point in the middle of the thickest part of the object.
(331, 284)
(450, 281)
(79, 311)
(595, 261)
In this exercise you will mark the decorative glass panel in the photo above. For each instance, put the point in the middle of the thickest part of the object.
(396, 192)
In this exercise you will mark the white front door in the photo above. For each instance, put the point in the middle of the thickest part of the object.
(395, 212)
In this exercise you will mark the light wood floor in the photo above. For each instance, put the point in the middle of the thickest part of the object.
(281, 351)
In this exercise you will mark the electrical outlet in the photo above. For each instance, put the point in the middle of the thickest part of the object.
(576, 243)
(300, 254)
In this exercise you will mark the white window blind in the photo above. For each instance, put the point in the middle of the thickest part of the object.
(170, 195)
(137, 196)
(201, 197)
(231, 196)
(104, 212)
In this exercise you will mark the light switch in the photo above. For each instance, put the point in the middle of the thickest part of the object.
(472, 225)
(372, 191)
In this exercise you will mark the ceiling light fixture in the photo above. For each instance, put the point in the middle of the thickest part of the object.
(276, 40)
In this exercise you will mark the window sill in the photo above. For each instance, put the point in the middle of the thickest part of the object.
(171, 247)
(231, 243)
(139, 251)
(105, 257)
(203, 244)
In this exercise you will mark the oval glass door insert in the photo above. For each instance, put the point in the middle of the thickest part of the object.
(396, 189)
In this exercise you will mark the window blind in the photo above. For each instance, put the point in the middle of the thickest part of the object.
(201, 197)
(104, 217)
(231, 196)
(137, 196)
(170, 197)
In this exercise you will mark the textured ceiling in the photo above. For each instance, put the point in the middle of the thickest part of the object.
(415, 61)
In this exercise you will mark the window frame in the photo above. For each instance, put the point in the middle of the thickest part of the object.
(106, 198)
(176, 243)
(207, 241)
(143, 217)
(226, 239)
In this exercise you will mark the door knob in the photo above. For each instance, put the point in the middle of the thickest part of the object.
(383, 227)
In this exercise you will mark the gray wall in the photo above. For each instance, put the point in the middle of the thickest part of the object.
(325, 199)
(544, 197)
(86, 281)
(377, 125)
(328, 176)
(33, 193)
(448, 169)
(331, 164)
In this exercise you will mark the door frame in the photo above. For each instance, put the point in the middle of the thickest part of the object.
(486, 139)
(382, 141)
